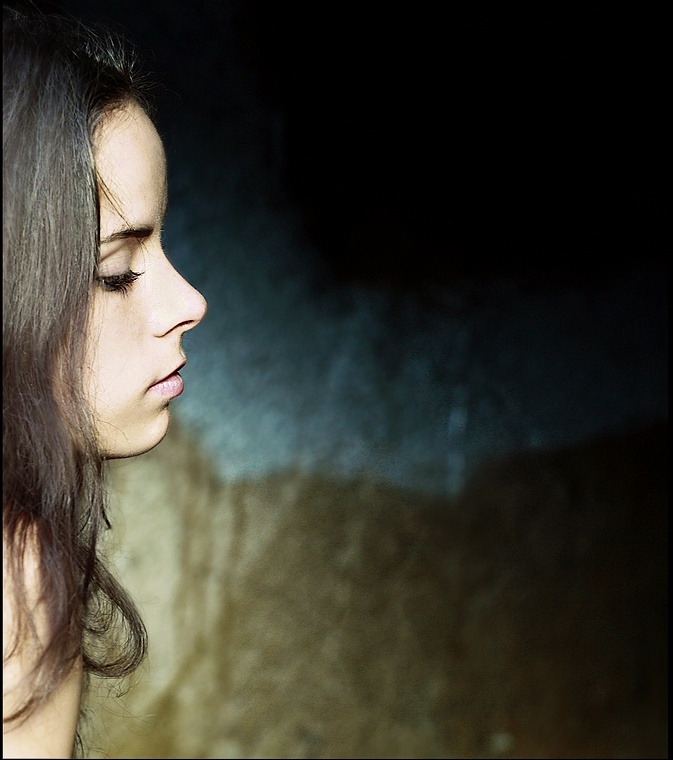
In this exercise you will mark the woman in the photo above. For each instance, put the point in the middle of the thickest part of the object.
(93, 319)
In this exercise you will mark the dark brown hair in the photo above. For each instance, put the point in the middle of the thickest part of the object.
(59, 79)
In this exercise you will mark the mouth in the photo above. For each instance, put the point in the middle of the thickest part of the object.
(171, 385)
(171, 373)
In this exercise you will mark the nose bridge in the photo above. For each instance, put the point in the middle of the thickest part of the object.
(177, 302)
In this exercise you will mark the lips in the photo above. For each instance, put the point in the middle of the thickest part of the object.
(169, 374)
(170, 386)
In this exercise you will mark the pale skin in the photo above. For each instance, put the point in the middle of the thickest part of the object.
(50, 730)
(135, 341)
(136, 334)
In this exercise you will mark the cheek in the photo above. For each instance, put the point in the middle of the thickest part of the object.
(113, 346)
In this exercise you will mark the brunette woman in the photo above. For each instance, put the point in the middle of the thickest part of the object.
(93, 319)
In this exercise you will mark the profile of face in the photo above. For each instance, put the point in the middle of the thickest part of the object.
(141, 306)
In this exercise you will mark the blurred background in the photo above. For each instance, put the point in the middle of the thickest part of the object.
(431, 237)
(427, 236)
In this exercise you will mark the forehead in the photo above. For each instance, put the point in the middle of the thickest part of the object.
(131, 165)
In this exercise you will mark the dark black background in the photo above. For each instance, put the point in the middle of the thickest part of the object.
(462, 140)
(434, 142)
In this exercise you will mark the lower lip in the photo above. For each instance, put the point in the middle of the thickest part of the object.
(170, 387)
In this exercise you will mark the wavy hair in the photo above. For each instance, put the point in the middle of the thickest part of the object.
(59, 79)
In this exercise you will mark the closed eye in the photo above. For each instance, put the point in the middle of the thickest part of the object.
(119, 283)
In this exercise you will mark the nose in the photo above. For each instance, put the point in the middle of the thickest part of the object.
(178, 305)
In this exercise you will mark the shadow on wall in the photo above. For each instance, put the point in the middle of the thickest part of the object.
(293, 616)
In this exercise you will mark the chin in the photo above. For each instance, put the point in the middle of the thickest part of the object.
(122, 444)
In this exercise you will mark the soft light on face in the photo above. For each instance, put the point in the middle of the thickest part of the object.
(141, 307)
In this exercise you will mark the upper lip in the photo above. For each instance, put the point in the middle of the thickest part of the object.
(172, 372)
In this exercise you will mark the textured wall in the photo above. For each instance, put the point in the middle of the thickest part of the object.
(300, 616)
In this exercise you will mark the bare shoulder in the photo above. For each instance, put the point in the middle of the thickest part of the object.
(50, 730)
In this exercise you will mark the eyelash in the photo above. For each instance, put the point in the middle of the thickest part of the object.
(119, 283)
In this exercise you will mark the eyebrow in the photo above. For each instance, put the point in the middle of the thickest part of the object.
(137, 233)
